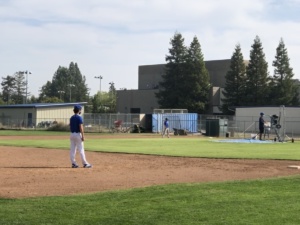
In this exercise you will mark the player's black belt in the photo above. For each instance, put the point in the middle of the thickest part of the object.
(75, 132)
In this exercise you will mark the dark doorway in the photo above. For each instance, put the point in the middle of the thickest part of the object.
(29, 120)
(148, 122)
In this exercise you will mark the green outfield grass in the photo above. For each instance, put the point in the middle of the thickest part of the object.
(38, 133)
(186, 147)
(31, 133)
(265, 201)
(271, 201)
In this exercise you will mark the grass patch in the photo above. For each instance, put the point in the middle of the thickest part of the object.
(32, 133)
(186, 147)
(271, 201)
(52, 131)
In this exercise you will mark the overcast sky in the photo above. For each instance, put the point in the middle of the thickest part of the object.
(112, 38)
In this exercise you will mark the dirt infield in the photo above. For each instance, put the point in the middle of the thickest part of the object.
(30, 172)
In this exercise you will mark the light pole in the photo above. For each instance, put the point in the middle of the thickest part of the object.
(71, 85)
(100, 78)
(26, 72)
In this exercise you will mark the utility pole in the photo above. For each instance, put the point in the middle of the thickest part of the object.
(71, 85)
(61, 92)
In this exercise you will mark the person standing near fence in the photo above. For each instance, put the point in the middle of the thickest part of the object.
(261, 125)
(77, 138)
(166, 128)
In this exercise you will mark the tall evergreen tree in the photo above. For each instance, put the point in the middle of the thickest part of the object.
(60, 82)
(170, 93)
(67, 84)
(196, 80)
(185, 83)
(235, 79)
(257, 89)
(80, 92)
(8, 88)
(284, 90)
(20, 88)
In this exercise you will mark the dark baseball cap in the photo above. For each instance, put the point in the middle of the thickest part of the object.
(77, 107)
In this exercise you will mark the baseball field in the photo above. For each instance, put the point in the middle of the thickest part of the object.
(146, 179)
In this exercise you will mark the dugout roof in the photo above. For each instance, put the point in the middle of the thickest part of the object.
(42, 105)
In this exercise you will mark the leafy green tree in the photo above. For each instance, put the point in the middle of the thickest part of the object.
(196, 80)
(170, 94)
(1, 101)
(96, 103)
(257, 89)
(235, 80)
(33, 99)
(45, 91)
(51, 100)
(101, 103)
(88, 108)
(284, 90)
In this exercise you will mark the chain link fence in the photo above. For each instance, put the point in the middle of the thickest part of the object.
(210, 125)
(111, 122)
(247, 127)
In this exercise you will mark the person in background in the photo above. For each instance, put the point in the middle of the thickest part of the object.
(166, 128)
(261, 125)
(77, 138)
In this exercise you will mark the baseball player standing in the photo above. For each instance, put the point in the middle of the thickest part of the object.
(166, 128)
(77, 138)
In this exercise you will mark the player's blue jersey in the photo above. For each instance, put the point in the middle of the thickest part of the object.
(75, 122)
(166, 123)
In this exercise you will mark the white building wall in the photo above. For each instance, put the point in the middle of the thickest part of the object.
(34, 116)
(58, 114)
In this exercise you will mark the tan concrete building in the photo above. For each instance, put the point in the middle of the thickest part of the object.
(36, 115)
(143, 99)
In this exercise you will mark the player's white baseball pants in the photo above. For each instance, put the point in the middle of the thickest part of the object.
(77, 143)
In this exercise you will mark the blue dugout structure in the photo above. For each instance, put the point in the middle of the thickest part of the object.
(182, 121)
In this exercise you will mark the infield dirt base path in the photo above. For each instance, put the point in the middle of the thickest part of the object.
(31, 172)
